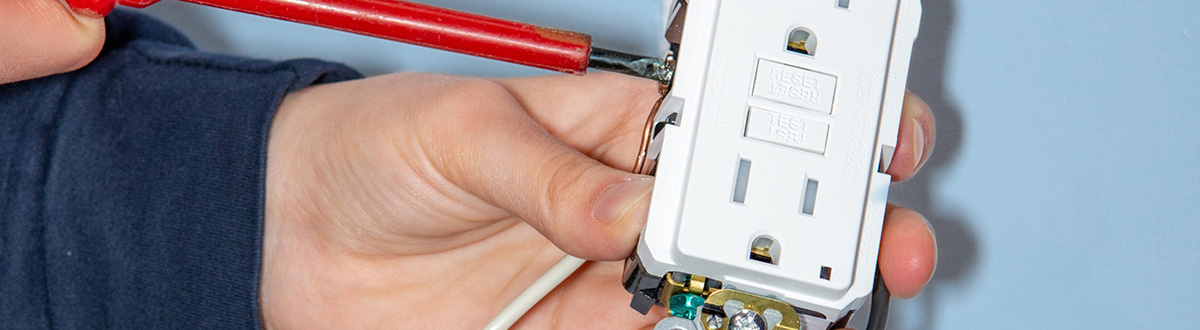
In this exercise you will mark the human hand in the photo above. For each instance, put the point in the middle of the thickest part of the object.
(423, 201)
(45, 37)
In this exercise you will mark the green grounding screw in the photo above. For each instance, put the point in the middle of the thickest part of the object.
(685, 304)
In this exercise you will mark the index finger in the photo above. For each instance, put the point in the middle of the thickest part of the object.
(600, 114)
(916, 140)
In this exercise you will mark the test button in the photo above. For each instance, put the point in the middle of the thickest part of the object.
(787, 130)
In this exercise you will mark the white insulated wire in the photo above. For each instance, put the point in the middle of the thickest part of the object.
(534, 293)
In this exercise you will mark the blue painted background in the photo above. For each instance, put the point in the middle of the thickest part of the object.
(1064, 188)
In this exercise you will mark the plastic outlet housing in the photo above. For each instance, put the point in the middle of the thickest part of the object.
(777, 149)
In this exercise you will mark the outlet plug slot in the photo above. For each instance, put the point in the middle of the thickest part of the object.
(810, 197)
(843, 4)
(765, 249)
(802, 41)
(742, 180)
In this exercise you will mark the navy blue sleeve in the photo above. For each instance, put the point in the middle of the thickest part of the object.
(132, 190)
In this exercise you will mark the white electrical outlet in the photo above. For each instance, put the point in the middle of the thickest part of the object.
(769, 151)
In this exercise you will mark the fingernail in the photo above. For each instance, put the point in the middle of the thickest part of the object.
(932, 233)
(929, 227)
(918, 143)
(92, 8)
(619, 198)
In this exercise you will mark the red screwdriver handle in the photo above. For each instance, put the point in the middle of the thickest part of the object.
(137, 3)
(419, 24)
(93, 8)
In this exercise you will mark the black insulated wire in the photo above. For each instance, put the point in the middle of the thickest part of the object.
(880, 299)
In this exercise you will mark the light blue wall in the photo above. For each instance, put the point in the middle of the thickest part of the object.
(1064, 188)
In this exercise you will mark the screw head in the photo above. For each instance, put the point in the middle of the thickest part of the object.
(747, 320)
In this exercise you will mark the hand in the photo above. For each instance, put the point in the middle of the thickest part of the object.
(424, 201)
(45, 37)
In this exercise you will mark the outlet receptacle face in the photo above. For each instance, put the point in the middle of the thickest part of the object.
(781, 144)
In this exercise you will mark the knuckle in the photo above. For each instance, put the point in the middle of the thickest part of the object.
(457, 107)
(565, 177)
(469, 93)
(642, 97)
(474, 105)
(571, 188)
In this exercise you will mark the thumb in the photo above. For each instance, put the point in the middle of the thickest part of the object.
(496, 151)
(45, 37)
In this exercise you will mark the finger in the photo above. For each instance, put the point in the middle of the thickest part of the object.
(907, 252)
(916, 140)
(44, 37)
(487, 145)
(601, 114)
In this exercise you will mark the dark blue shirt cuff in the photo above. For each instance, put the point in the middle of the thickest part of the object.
(132, 190)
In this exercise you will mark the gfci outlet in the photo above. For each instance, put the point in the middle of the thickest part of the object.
(770, 149)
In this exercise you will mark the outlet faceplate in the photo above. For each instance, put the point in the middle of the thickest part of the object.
(776, 143)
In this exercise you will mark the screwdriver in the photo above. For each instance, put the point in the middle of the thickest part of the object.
(435, 27)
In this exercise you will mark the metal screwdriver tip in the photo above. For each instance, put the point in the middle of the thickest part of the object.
(634, 65)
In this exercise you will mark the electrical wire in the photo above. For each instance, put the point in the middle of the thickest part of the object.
(534, 293)
(881, 298)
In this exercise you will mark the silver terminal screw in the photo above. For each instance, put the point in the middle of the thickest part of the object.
(747, 320)
(676, 323)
